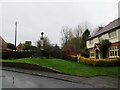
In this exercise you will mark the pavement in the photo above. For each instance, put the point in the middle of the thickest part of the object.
(96, 81)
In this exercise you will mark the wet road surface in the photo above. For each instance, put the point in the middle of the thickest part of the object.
(21, 80)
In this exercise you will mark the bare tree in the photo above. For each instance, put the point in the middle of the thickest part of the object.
(78, 31)
(72, 38)
(66, 34)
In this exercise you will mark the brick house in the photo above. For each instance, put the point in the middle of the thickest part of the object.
(110, 32)
(3, 45)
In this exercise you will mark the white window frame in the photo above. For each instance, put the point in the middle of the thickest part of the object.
(112, 51)
(91, 42)
(92, 56)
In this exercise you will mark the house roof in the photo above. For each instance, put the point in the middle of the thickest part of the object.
(3, 44)
(20, 46)
(112, 25)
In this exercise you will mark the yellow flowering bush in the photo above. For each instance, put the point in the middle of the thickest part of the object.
(73, 58)
(97, 62)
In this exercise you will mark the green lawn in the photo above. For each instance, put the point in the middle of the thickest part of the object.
(69, 67)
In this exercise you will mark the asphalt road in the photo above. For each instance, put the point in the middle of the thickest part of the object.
(21, 80)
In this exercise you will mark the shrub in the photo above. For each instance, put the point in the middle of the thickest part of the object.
(108, 62)
(100, 62)
(104, 45)
(73, 58)
(56, 54)
(17, 54)
(66, 54)
(97, 62)
(23, 54)
(6, 54)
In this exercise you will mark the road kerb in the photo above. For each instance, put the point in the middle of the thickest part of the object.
(42, 75)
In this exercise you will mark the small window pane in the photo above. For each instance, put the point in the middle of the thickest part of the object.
(110, 53)
(116, 53)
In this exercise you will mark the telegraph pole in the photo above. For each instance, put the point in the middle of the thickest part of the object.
(15, 33)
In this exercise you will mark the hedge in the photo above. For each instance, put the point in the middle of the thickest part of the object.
(97, 62)
(27, 54)
(17, 54)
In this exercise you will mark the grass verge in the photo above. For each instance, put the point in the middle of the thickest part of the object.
(69, 67)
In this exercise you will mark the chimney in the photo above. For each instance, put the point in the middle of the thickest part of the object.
(100, 28)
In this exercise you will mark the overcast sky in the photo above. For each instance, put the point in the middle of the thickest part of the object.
(49, 17)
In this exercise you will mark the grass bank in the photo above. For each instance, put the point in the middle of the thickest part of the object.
(71, 68)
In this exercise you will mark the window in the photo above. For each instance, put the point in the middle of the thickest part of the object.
(92, 54)
(100, 38)
(91, 42)
(113, 51)
(113, 34)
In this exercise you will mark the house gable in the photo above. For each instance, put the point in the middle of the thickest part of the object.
(111, 26)
(3, 45)
(110, 32)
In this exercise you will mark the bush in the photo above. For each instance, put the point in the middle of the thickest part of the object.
(100, 62)
(73, 58)
(23, 54)
(97, 62)
(56, 54)
(66, 54)
(104, 46)
(17, 54)
(108, 62)
(6, 54)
